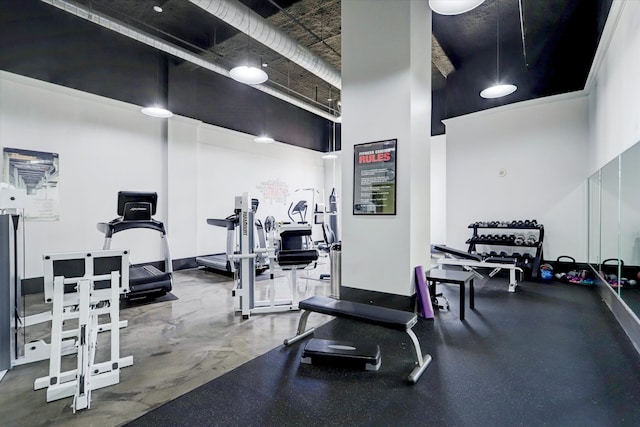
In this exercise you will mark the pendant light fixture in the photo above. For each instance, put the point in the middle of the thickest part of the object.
(162, 92)
(247, 73)
(453, 7)
(263, 138)
(332, 154)
(499, 89)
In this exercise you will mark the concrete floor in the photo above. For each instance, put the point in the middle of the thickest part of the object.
(177, 344)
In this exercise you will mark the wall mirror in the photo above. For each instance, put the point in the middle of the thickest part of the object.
(614, 225)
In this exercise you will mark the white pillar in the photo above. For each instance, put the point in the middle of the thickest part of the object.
(386, 80)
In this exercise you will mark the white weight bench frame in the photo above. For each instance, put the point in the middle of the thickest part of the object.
(472, 264)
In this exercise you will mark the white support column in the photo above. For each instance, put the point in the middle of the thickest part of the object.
(387, 96)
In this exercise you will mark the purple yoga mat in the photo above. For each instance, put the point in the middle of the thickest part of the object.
(424, 299)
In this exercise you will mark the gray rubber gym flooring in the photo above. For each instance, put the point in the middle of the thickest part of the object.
(547, 355)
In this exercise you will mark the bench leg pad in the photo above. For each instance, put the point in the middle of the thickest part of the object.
(301, 333)
(417, 372)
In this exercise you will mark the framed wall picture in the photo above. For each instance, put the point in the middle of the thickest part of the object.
(374, 178)
(38, 173)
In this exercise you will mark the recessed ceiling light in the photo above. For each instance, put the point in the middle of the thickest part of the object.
(453, 7)
(157, 9)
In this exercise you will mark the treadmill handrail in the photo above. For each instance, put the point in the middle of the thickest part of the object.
(229, 224)
(118, 225)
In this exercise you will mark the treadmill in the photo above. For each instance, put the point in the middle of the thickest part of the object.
(222, 261)
(136, 210)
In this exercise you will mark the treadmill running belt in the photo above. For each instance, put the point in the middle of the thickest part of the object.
(148, 278)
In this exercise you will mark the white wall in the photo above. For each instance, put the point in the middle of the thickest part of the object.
(182, 226)
(387, 98)
(542, 145)
(106, 146)
(614, 120)
(438, 189)
(230, 163)
(614, 113)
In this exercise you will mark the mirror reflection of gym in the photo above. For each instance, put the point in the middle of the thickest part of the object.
(614, 225)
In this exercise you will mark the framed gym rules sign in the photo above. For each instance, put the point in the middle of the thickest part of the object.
(374, 178)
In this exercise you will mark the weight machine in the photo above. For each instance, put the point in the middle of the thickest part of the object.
(80, 301)
(12, 203)
(94, 290)
(289, 253)
(14, 348)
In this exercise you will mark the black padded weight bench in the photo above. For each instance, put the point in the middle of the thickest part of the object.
(387, 317)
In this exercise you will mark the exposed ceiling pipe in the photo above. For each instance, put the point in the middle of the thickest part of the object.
(157, 43)
(244, 19)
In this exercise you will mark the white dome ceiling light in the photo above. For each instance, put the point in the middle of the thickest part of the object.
(156, 111)
(264, 140)
(248, 75)
(498, 90)
(453, 7)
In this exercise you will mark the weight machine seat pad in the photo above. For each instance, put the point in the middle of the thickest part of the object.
(457, 252)
(381, 316)
(297, 257)
(295, 233)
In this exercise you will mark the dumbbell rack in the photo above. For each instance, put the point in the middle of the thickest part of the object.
(533, 236)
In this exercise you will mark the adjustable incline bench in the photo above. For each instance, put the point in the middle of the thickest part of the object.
(387, 317)
(473, 261)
